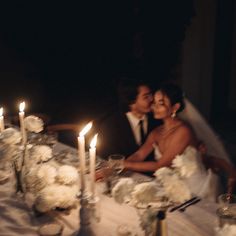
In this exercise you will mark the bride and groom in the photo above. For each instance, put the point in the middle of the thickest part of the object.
(179, 133)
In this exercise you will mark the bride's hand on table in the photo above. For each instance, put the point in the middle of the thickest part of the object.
(103, 173)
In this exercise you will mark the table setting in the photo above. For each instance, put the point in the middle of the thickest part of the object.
(49, 188)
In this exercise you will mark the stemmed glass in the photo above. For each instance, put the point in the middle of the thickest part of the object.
(115, 167)
(227, 209)
(116, 162)
(104, 173)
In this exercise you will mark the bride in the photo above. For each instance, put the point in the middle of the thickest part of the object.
(174, 137)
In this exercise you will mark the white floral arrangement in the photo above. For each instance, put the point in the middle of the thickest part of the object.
(67, 175)
(168, 184)
(174, 187)
(33, 124)
(226, 230)
(185, 163)
(41, 153)
(47, 174)
(148, 218)
(38, 177)
(10, 136)
(167, 188)
(53, 187)
(56, 196)
(142, 196)
(146, 193)
(123, 189)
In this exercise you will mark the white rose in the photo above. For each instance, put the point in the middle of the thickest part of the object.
(11, 136)
(67, 175)
(41, 153)
(145, 193)
(122, 190)
(33, 124)
(56, 195)
(47, 174)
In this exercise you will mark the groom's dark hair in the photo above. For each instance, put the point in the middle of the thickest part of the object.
(128, 89)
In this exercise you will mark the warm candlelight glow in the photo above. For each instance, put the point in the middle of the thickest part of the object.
(92, 156)
(86, 129)
(22, 106)
(22, 123)
(1, 120)
(94, 141)
(81, 145)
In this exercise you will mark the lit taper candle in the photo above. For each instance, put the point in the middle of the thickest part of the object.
(2, 126)
(22, 123)
(92, 157)
(81, 152)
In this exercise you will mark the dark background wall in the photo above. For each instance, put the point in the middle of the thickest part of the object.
(63, 58)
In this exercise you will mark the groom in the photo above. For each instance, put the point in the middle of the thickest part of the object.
(126, 129)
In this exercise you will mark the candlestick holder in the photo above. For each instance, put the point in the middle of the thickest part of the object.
(85, 215)
(19, 166)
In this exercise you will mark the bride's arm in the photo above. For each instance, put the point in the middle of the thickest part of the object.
(144, 150)
(176, 146)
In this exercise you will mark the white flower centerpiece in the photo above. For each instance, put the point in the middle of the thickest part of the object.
(34, 124)
(168, 188)
(50, 185)
(10, 150)
(55, 187)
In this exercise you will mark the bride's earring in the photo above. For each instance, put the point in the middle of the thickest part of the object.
(173, 115)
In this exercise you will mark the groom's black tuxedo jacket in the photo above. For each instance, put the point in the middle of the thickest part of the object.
(116, 135)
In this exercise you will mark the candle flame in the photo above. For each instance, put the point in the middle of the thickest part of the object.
(22, 106)
(1, 111)
(94, 141)
(86, 129)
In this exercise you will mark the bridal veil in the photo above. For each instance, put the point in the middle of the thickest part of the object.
(203, 131)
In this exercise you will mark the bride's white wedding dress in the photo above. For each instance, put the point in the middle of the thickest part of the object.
(201, 182)
(204, 182)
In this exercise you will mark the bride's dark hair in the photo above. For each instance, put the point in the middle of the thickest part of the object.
(174, 93)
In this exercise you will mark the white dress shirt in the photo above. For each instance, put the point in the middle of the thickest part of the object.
(134, 123)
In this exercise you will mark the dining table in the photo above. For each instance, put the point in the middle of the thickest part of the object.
(17, 216)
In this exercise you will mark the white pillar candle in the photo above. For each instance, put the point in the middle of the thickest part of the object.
(1, 120)
(92, 157)
(22, 123)
(81, 152)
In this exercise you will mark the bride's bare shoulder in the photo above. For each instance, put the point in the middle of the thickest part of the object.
(185, 129)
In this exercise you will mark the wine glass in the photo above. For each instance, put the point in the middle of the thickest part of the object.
(116, 162)
(227, 200)
(227, 209)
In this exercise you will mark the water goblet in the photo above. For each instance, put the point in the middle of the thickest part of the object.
(105, 173)
(116, 162)
(227, 200)
(227, 210)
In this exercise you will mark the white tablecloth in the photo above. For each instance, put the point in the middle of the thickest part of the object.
(16, 217)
